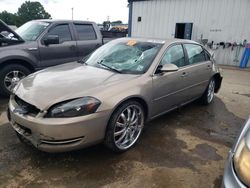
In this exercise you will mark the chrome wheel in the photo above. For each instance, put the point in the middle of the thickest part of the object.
(12, 78)
(210, 92)
(128, 126)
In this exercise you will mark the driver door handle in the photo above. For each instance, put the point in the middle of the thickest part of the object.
(184, 74)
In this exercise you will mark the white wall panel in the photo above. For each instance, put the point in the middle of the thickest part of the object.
(231, 19)
(160, 16)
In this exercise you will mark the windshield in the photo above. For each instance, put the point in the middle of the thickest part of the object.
(125, 56)
(30, 31)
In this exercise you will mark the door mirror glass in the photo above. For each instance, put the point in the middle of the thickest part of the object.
(51, 39)
(169, 67)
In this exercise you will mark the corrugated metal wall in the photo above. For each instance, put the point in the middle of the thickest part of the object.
(215, 20)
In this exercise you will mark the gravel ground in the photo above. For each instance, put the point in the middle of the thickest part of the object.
(185, 148)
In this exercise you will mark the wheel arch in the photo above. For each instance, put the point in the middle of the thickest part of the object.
(136, 98)
(23, 62)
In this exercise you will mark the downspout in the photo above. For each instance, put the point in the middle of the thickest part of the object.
(130, 9)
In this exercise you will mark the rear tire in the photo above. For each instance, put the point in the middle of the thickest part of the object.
(125, 126)
(10, 75)
(208, 95)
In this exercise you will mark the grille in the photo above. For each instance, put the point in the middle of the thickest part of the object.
(26, 107)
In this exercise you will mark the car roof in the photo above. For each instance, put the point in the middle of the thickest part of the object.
(63, 21)
(159, 40)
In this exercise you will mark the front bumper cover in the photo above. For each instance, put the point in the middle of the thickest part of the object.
(59, 134)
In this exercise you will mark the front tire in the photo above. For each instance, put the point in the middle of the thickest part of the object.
(10, 75)
(125, 126)
(208, 95)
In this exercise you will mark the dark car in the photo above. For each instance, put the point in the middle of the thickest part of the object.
(42, 43)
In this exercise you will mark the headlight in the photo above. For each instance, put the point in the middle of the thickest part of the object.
(242, 162)
(73, 108)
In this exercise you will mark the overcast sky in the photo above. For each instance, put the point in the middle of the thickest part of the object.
(93, 10)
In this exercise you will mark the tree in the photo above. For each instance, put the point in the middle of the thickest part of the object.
(32, 11)
(9, 18)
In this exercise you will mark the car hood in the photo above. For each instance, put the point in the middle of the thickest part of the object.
(64, 82)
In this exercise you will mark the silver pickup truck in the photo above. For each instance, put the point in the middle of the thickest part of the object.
(42, 43)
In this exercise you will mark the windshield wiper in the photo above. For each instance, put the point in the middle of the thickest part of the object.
(108, 67)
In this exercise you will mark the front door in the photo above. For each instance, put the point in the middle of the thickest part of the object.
(169, 88)
(63, 52)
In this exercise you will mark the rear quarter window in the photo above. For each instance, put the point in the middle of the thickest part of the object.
(207, 55)
(85, 32)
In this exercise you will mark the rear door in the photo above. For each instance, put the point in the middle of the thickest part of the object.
(63, 52)
(87, 40)
(198, 70)
(169, 88)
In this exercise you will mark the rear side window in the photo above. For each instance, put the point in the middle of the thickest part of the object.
(62, 31)
(174, 55)
(195, 53)
(85, 31)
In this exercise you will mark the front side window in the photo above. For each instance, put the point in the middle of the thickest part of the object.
(85, 31)
(62, 31)
(174, 55)
(30, 31)
(195, 53)
(125, 56)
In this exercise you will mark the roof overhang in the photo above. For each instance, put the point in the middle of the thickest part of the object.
(135, 0)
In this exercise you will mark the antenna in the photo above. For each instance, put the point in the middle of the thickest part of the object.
(72, 13)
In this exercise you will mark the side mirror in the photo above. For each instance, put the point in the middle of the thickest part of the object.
(51, 39)
(169, 67)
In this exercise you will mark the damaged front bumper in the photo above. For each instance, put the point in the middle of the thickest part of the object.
(58, 134)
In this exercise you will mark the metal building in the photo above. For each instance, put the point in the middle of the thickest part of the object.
(223, 25)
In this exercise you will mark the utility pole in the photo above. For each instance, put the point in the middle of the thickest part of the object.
(72, 12)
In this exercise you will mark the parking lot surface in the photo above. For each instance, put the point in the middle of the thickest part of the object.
(185, 148)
